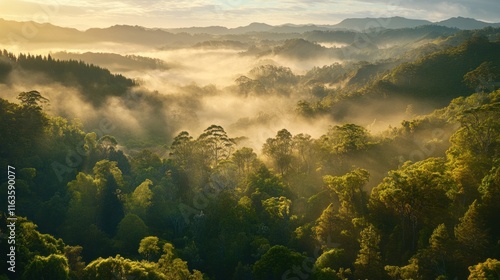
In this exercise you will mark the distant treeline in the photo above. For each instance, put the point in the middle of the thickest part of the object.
(95, 83)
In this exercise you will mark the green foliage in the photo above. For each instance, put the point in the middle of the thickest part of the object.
(436, 218)
(483, 78)
(245, 159)
(277, 207)
(149, 247)
(267, 79)
(31, 244)
(121, 268)
(275, 262)
(217, 145)
(279, 149)
(416, 194)
(75, 263)
(475, 146)
(427, 72)
(345, 138)
(23, 127)
(263, 180)
(51, 267)
(96, 83)
(489, 269)
(130, 231)
(175, 268)
(333, 259)
(472, 236)
(409, 271)
(349, 190)
(141, 199)
(32, 99)
(368, 264)
(327, 224)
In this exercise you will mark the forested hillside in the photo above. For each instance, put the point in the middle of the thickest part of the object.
(126, 185)
(95, 83)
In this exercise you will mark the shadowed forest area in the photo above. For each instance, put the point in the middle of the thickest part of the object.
(275, 154)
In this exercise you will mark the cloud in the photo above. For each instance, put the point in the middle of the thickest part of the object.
(232, 13)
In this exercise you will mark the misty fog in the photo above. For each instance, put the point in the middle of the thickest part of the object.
(190, 88)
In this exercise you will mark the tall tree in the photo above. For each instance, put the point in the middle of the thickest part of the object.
(472, 237)
(303, 146)
(217, 144)
(368, 264)
(246, 159)
(475, 146)
(349, 190)
(32, 99)
(148, 247)
(416, 195)
(279, 149)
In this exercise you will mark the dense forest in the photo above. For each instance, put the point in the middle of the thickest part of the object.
(418, 200)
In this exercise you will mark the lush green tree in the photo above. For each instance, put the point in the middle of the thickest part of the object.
(475, 146)
(490, 195)
(131, 230)
(275, 263)
(279, 149)
(278, 207)
(436, 261)
(147, 165)
(472, 236)
(140, 200)
(333, 259)
(368, 264)
(327, 224)
(175, 268)
(264, 182)
(304, 147)
(416, 195)
(483, 78)
(268, 79)
(116, 268)
(217, 144)
(191, 157)
(246, 159)
(33, 99)
(21, 144)
(82, 207)
(489, 269)
(50, 267)
(349, 190)
(75, 262)
(326, 274)
(409, 271)
(181, 149)
(109, 181)
(30, 243)
(345, 138)
(149, 247)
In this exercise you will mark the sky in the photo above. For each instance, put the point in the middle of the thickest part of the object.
(83, 14)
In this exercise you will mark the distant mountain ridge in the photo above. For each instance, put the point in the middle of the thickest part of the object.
(11, 31)
(385, 23)
(466, 23)
(357, 24)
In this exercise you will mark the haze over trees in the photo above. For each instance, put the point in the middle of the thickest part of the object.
(366, 160)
